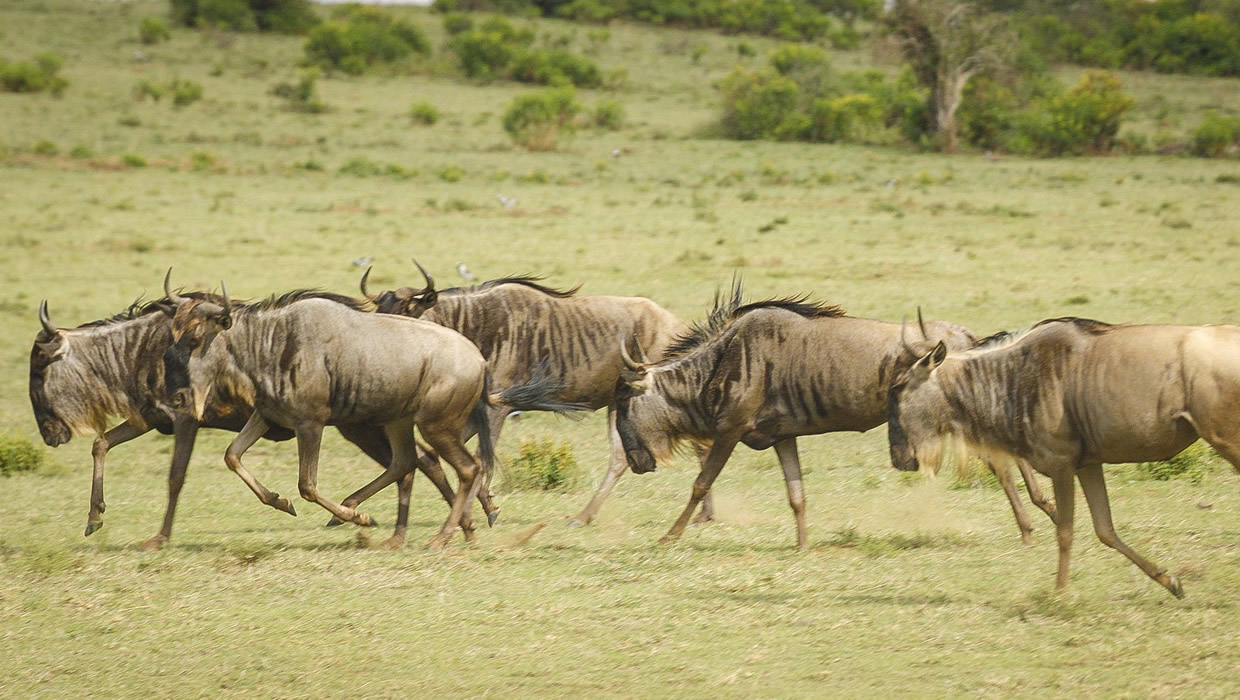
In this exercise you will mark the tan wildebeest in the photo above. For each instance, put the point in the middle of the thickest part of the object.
(1069, 395)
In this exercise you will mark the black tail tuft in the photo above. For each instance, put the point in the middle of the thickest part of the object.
(539, 394)
(481, 425)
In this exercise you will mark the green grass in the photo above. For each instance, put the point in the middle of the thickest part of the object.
(910, 586)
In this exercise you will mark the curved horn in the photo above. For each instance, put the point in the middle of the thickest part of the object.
(47, 322)
(172, 296)
(366, 293)
(628, 361)
(922, 325)
(227, 317)
(430, 281)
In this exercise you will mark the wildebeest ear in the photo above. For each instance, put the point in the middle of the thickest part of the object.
(937, 355)
(49, 348)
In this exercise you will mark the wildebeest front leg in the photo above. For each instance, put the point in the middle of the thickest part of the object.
(254, 429)
(1094, 485)
(1004, 475)
(791, 463)
(707, 513)
(715, 459)
(1065, 493)
(615, 469)
(184, 432)
(309, 439)
(98, 451)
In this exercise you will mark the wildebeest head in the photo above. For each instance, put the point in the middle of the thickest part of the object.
(195, 325)
(49, 347)
(916, 411)
(405, 301)
(634, 381)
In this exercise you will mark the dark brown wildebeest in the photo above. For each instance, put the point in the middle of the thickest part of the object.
(1068, 396)
(764, 374)
(82, 378)
(520, 325)
(305, 362)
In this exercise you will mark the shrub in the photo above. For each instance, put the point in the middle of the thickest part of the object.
(17, 454)
(146, 88)
(554, 67)
(358, 38)
(1085, 118)
(133, 160)
(25, 76)
(301, 96)
(757, 104)
(536, 120)
(456, 22)
(81, 151)
(1191, 465)
(1215, 134)
(424, 113)
(847, 118)
(278, 16)
(608, 114)
(542, 465)
(184, 92)
(482, 55)
(152, 30)
(45, 148)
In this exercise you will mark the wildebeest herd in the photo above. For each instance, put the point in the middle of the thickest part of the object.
(1061, 398)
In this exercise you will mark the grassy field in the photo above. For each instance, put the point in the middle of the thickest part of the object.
(913, 586)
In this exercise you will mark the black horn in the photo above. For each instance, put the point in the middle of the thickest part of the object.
(922, 325)
(365, 292)
(430, 281)
(45, 321)
(226, 315)
(172, 296)
(628, 361)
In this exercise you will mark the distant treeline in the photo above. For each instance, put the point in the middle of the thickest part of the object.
(1201, 37)
(787, 19)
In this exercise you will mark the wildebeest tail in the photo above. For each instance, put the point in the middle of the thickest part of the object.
(480, 424)
(538, 394)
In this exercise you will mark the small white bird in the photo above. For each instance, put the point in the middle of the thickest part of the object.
(363, 261)
(506, 201)
(616, 153)
(140, 56)
(464, 271)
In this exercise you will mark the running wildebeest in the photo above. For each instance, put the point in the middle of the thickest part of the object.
(306, 362)
(764, 374)
(519, 325)
(82, 378)
(1068, 396)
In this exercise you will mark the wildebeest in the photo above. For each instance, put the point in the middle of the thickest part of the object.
(82, 378)
(763, 374)
(519, 324)
(305, 362)
(1069, 395)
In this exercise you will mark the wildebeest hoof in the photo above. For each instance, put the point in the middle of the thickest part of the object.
(393, 542)
(492, 517)
(436, 543)
(1173, 585)
(668, 539)
(91, 526)
(577, 522)
(365, 520)
(283, 504)
(334, 522)
(154, 544)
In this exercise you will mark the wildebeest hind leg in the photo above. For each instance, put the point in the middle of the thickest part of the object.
(715, 459)
(707, 513)
(254, 429)
(309, 439)
(447, 443)
(1095, 487)
(1004, 475)
(404, 456)
(1065, 493)
(98, 451)
(1035, 491)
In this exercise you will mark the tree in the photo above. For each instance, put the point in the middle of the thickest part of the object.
(946, 43)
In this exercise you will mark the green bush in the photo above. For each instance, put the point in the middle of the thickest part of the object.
(301, 96)
(542, 465)
(45, 148)
(133, 160)
(847, 118)
(152, 30)
(358, 38)
(456, 22)
(554, 67)
(759, 105)
(184, 92)
(41, 75)
(1086, 118)
(1215, 135)
(1191, 465)
(608, 115)
(277, 16)
(424, 113)
(536, 120)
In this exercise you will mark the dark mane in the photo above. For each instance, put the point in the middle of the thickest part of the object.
(1085, 325)
(524, 280)
(282, 300)
(728, 309)
(141, 307)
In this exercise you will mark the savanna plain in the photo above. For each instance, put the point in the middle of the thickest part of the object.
(912, 586)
